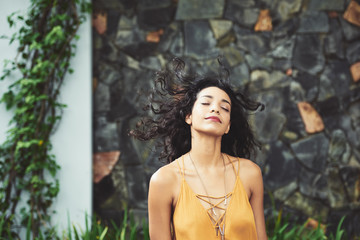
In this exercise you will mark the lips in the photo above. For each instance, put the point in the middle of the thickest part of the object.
(213, 118)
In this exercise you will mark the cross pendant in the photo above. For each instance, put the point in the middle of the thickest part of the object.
(213, 210)
(222, 232)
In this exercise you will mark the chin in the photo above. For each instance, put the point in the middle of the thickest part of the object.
(213, 132)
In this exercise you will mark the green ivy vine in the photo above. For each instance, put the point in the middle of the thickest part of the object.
(46, 40)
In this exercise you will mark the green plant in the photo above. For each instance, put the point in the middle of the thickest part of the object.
(46, 44)
(279, 228)
(127, 230)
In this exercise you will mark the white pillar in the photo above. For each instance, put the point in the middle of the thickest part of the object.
(72, 142)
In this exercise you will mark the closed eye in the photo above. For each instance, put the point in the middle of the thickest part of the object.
(225, 109)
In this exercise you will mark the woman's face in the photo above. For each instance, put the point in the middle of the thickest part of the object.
(211, 112)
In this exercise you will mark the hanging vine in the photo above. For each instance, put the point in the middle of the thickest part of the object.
(46, 40)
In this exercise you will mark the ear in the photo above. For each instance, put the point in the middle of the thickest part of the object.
(188, 119)
(228, 128)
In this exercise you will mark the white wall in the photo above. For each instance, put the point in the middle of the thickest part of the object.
(72, 141)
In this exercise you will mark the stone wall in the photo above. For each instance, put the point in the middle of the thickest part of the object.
(301, 58)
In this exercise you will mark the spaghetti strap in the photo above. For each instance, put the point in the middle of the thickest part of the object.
(182, 170)
(236, 171)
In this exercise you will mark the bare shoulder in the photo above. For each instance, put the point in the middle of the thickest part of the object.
(166, 176)
(249, 166)
(245, 165)
(249, 170)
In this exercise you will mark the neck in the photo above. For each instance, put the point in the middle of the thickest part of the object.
(206, 150)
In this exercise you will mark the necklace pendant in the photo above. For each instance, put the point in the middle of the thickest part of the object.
(213, 210)
(225, 203)
(222, 232)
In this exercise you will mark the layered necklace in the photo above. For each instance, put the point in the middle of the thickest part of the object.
(218, 221)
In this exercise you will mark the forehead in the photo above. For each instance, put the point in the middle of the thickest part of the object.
(214, 92)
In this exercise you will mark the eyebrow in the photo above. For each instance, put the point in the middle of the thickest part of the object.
(223, 100)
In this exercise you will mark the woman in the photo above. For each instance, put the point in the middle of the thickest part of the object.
(208, 190)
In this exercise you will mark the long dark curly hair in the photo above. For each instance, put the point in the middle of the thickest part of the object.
(173, 98)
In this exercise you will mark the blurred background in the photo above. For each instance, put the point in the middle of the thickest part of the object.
(301, 58)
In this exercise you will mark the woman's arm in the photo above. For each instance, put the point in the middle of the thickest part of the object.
(160, 203)
(256, 202)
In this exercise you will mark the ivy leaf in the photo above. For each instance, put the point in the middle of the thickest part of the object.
(8, 98)
(54, 35)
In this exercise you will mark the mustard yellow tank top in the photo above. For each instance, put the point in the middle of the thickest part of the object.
(192, 221)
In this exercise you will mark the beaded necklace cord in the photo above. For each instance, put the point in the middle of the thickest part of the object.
(219, 223)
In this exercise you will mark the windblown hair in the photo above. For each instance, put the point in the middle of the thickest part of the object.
(173, 98)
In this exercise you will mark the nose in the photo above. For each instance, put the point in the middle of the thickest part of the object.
(215, 108)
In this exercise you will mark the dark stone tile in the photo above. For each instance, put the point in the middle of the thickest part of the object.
(240, 75)
(120, 108)
(336, 189)
(286, 9)
(351, 96)
(353, 52)
(269, 125)
(281, 167)
(254, 43)
(177, 46)
(351, 32)
(313, 22)
(309, 83)
(262, 80)
(339, 150)
(283, 32)
(313, 185)
(153, 162)
(345, 123)
(308, 206)
(328, 5)
(137, 186)
(294, 127)
(199, 9)
(106, 4)
(220, 28)
(285, 192)
(141, 50)
(330, 110)
(282, 64)
(106, 136)
(246, 17)
(127, 4)
(284, 50)
(335, 80)
(333, 41)
(232, 55)
(350, 177)
(128, 37)
(308, 55)
(102, 97)
(102, 191)
(108, 74)
(152, 4)
(242, 4)
(167, 39)
(151, 63)
(155, 18)
(113, 17)
(259, 62)
(354, 111)
(312, 151)
(199, 40)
